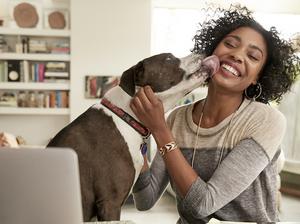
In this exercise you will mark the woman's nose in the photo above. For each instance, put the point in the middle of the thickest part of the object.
(237, 57)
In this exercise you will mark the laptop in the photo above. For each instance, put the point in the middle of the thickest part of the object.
(39, 186)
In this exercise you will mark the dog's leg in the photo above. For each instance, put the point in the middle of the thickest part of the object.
(108, 210)
(87, 194)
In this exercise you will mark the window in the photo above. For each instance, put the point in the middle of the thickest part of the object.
(173, 29)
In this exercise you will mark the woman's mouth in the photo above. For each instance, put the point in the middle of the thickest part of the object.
(231, 69)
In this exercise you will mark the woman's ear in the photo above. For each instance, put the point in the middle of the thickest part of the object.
(254, 82)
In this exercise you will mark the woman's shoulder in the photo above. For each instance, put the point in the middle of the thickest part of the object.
(264, 112)
(266, 125)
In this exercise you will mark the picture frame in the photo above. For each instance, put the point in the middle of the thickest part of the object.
(64, 18)
(97, 86)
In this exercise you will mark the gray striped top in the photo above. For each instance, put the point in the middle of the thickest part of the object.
(243, 187)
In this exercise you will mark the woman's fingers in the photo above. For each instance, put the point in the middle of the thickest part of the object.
(137, 104)
(145, 101)
(148, 108)
(150, 95)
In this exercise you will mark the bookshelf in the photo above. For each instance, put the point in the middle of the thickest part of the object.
(34, 86)
(44, 119)
(35, 32)
(33, 111)
(34, 57)
(39, 51)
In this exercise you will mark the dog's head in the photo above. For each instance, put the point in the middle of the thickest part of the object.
(170, 78)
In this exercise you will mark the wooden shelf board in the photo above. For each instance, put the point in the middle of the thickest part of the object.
(34, 86)
(34, 111)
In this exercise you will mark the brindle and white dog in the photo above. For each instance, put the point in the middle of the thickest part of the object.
(108, 148)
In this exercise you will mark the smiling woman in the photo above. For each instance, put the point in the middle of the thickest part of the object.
(224, 148)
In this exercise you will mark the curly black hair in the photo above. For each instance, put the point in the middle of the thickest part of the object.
(282, 65)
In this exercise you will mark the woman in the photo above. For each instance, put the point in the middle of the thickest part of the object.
(220, 153)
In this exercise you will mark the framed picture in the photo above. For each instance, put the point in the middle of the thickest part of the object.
(97, 86)
(25, 14)
(56, 19)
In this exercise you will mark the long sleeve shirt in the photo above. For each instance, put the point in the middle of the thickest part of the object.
(243, 187)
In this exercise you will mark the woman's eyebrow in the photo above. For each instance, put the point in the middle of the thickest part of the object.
(257, 48)
(251, 45)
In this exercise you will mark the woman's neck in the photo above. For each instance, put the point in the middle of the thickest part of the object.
(216, 107)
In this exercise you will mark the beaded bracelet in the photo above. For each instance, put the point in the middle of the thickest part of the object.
(167, 148)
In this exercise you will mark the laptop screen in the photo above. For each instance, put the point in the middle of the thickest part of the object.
(39, 186)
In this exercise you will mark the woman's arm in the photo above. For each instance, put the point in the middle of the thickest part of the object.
(151, 184)
(149, 110)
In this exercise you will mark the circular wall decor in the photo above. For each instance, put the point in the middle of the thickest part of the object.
(57, 20)
(26, 15)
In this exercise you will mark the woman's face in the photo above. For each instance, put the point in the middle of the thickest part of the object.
(242, 54)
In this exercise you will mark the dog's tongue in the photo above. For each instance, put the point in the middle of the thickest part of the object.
(212, 63)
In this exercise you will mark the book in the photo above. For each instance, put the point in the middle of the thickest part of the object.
(57, 75)
(3, 77)
(26, 70)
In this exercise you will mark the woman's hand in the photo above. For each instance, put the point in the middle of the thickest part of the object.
(149, 109)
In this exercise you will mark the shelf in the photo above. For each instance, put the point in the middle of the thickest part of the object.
(34, 86)
(35, 32)
(34, 111)
(35, 57)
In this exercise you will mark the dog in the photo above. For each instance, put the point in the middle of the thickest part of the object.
(108, 137)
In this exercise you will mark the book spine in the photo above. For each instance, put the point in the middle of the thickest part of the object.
(41, 69)
(26, 71)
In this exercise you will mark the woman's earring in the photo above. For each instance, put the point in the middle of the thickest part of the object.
(253, 91)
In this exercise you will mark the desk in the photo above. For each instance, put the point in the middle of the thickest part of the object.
(111, 222)
(215, 221)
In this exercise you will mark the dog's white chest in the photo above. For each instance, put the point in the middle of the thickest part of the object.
(132, 138)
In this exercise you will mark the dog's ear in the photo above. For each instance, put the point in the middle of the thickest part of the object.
(127, 81)
(129, 78)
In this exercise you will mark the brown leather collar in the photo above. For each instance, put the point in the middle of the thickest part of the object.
(136, 125)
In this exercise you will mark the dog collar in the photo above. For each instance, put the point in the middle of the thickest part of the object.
(141, 129)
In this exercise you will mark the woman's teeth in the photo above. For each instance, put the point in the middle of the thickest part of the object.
(231, 70)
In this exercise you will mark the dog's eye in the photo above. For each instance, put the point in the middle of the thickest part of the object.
(168, 59)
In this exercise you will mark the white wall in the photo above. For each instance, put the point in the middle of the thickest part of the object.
(35, 129)
(107, 37)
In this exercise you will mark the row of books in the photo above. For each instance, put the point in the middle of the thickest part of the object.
(34, 45)
(41, 99)
(29, 71)
(46, 46)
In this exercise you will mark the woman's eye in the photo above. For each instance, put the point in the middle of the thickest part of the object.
(229, 44)
(253, 57)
